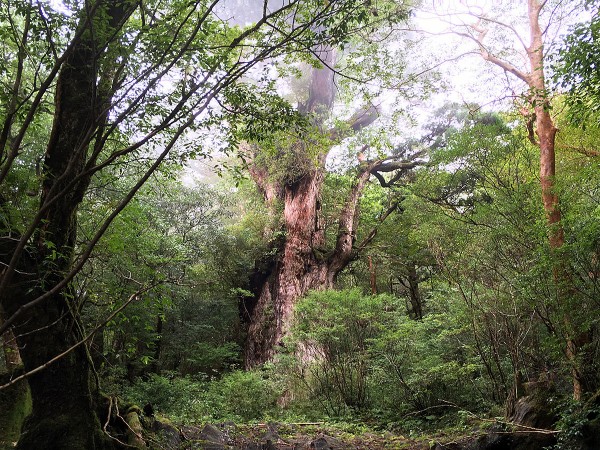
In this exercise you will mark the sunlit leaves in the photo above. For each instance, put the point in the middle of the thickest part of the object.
(258, 116)
(577, 67)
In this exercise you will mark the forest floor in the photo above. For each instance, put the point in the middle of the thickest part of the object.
(300, 436)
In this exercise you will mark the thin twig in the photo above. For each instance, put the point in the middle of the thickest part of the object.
(109, 413)
(526, 429)
(81, 342)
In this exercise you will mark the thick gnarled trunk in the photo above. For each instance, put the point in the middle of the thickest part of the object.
(46, 320)
(302, 263)
(64, 395)
(297, 269)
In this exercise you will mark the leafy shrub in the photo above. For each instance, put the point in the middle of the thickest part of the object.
(238, 396)
(579, 425)
(178, 398)
(242, 396)
(361, 354)
(333, 332)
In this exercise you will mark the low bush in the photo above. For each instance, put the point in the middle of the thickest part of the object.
(238, 396)
(361, 356)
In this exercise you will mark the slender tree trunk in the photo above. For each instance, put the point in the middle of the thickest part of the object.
(158, 343)
(414, 292)
(546, 137)
(546, 133)
(373, 276)
(545, 129)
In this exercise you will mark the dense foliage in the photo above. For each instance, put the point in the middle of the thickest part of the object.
(469, 227)
(136, 280)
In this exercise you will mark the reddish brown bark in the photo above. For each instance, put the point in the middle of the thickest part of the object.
(296, 270)
(302, 262)
(545, 131)
(373, 276)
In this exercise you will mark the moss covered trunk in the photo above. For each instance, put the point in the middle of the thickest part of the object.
(63, 394)
(15, 400)
(41, 308)
(15, 406)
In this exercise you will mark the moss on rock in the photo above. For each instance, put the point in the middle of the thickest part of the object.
(15, 404)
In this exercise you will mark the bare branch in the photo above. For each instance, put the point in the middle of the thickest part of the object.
(582, 150)
(373, 233)
(33, 108)
(12, 106)
(502, 24)
(488, 56)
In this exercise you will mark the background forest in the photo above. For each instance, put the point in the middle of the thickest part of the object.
(296, 212)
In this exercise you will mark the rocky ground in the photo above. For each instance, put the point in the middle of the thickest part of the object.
(275, 436)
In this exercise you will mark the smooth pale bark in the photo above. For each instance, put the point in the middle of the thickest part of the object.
(545, 129)
(545, 138)
(546, 134)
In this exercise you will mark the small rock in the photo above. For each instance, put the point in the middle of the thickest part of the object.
(170, 436)
(324, 442)
(271, 437)
(229, 431)
(211, 433)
